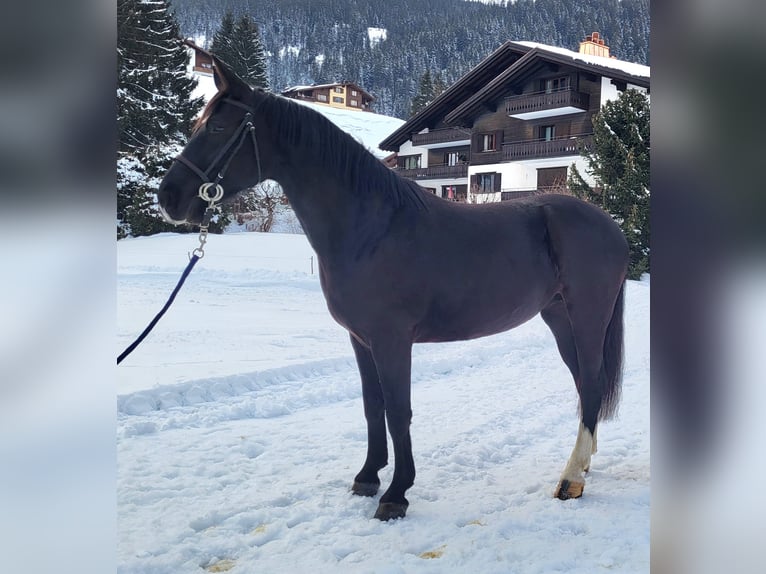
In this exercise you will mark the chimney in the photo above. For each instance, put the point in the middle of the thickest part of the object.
(594, 46)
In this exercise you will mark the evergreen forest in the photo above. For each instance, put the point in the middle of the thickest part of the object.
(318, 41)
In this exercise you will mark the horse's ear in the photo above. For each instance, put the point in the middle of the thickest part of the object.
(226, 80)
(218, 77)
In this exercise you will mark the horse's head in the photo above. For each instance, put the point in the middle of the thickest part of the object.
(222, 149)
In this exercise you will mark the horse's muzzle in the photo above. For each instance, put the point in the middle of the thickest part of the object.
(177, 210)
(168, 218)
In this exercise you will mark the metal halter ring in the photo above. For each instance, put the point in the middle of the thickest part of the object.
(204, 192)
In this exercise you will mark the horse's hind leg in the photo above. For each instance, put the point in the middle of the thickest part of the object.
(366, 482)
(556, 317)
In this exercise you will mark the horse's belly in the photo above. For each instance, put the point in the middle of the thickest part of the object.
(472, 321)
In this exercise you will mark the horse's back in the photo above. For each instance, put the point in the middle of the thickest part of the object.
(501, 263)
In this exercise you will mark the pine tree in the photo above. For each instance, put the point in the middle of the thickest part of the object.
(221, 45)
(619, 163)
(438, 85)
(424, 95)
(239, 46)
(431, 85)
(154, 91)
(248, 42)
(154, 108)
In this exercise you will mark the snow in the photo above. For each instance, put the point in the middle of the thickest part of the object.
(376, 35)
(240, 428)
(367, 127)
(289, 50)
(498, 2)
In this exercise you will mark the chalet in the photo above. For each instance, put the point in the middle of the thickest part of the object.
(345, 95)
(202, 60)
(515, 123)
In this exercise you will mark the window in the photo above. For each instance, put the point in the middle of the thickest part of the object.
(354, 103)
(409, 162)
(322, 97)
(454, 192)
(337, 90)
(337, 100)
(549, 178)
(451, 158)
(487, 142)
(547, 133)
(353, 93)
(555, 84)
(487, 182)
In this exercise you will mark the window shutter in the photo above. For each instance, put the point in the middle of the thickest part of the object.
(474, 180)
(497, 181)
(475, 143)
(499, 140)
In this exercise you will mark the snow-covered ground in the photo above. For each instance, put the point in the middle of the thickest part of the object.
(240, 428)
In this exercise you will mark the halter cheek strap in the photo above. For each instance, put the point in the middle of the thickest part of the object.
(236, 141)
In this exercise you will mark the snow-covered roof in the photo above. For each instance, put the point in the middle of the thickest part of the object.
(627, 67)
(320, 86)
(491, 73)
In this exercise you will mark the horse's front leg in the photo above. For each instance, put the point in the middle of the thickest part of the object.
(393, 359)
(367, 483)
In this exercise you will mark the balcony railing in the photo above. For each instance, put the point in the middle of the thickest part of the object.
(547, 148)
(441, 136)
(534, 105)
(434, 171)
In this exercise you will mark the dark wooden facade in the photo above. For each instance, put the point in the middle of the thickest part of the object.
(547, 136)
(528, 103)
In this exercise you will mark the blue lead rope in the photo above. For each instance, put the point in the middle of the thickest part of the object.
(194, 258)
(197, 254)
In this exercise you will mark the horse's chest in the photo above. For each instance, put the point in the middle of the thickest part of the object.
(341, 297)
(356, 301)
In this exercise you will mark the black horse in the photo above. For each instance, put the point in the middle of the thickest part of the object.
(399, 265)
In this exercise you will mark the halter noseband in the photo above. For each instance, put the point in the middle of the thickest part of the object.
(235, 141)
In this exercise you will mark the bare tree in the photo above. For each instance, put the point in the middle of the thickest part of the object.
(257, 207)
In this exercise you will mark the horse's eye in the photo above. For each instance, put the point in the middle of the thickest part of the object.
(215, 128)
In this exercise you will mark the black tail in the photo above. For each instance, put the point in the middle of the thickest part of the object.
(613, 354)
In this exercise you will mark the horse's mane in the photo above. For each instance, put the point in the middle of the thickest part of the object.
(306, 129)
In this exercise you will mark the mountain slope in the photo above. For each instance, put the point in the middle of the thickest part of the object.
(332, 40)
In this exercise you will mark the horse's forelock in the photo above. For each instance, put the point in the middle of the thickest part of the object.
(207, 111)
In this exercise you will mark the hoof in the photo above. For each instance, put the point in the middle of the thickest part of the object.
(391, 510)
(568, 489)
(365, 488)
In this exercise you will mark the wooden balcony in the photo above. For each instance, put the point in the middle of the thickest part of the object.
(435, 171)
(546, 104)
(446, 137)
(551, 148)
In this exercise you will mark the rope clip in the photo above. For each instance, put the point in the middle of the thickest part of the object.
(204, 194)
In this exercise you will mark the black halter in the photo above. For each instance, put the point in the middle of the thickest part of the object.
(235, 141)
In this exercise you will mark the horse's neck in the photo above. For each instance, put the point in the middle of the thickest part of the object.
(336, 218)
